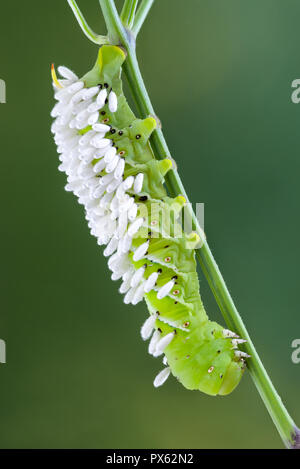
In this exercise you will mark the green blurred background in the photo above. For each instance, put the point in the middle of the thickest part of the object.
(78, 374)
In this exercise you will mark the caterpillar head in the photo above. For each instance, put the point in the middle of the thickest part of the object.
(107, 67)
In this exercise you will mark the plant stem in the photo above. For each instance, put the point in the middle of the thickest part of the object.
(119, 35)
(141, 15)
(128, 12)
(96, 38)
(116, 32)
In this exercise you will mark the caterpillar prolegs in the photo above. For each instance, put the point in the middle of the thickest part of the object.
(105, 152)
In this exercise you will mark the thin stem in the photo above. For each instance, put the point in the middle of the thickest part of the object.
(116, 32)
(284, 423)
(132, 14)
(96, 38)
(141, 15)
(128, 13)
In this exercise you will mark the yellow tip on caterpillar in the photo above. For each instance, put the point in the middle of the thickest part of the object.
(168, 163)
(54, 77)
(194, 237)
(151, 123)
(181, 200)
(193, 241)
(164, 166)
(177, 204)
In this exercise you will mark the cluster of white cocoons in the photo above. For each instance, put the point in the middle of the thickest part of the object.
(110, 211)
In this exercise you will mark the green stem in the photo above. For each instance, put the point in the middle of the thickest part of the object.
(284, 423)
(141, 15)
(128, 12)
(116, 32)
(96, 38)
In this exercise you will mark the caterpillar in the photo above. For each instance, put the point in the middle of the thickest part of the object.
(110, 166)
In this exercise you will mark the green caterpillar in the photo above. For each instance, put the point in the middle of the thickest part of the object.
(105, 152)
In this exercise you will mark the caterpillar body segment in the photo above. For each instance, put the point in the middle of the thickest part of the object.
(105, 152)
